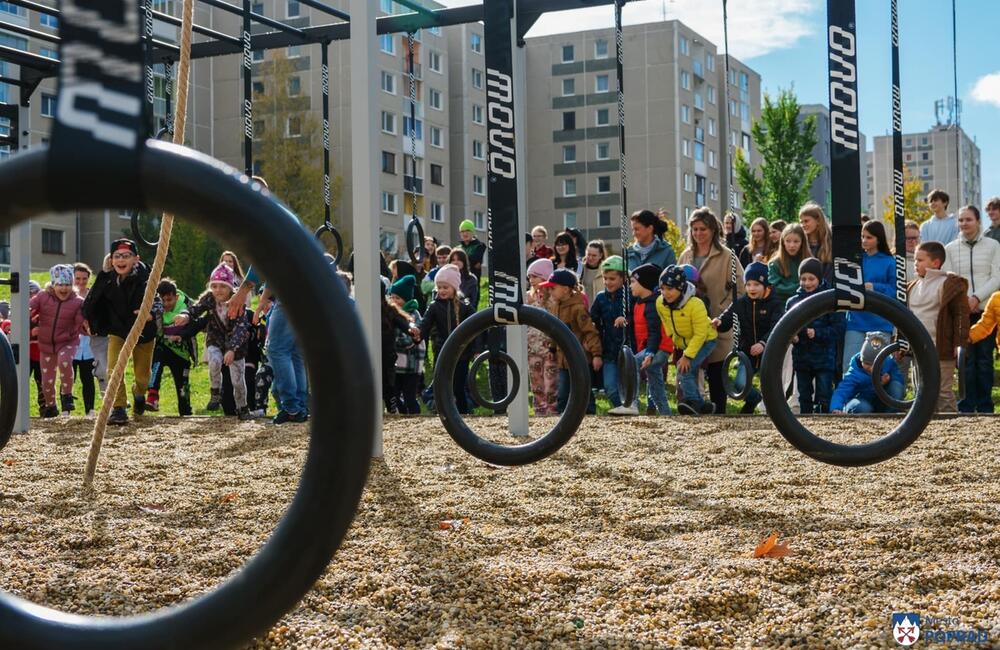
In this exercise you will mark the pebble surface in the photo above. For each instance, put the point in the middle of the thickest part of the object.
(638, 534)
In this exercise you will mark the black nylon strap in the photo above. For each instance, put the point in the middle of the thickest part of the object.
(325, 71)
(845, 157)
(100, 107)
(247, 69)
(897, 160)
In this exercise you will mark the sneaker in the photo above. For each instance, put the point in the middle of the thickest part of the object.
(687, 408)
(215, 401)
(257, 413)
(751, 404)
(49, 411)
(152, 404)
(650, 409)
(299, 417)
(244, 414)
(119, 416)
(67, 404)
(706, 408)
(282, 417)
(624, 410)
(140, 406)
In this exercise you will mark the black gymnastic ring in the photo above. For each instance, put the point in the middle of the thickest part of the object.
(231, 208)
(961, 359)
(477, 396)
(418, 253)
(329, 228)
(8, 390)
(913, 423)
(455, 347)
(628, 376)
(887, 399)
(730, 385)
(134, 216)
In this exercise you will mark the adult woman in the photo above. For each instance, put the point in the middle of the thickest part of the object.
(714, 261)
(735, 231)
(469, 282)
(777, 227)
(818, 236)
(649, 246)
(760, 247)
(430, 246)
(592, 277)
(878, 268)
(565, 256)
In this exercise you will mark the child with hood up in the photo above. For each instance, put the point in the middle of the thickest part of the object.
(59, 311)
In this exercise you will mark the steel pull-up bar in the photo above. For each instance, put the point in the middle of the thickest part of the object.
(319, 6)
(263, 20)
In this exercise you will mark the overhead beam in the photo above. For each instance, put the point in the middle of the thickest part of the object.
(331, 11)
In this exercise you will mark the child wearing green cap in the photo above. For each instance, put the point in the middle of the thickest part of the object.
(607, 308)
(474, 248)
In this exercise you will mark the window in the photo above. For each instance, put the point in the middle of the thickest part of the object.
(601, 83)
(602, 151)
(477, 114)
(437, 174)
(258, 88)
(8, 8)
(48, 53)
(293, 126)
(386, 6)
(294, 86)
(699, 134)
(478, 185)
(389, 202)
(688, 185)
(686, 147)
(685, 113)
(479, 219)
(476, 43)
(925, 156)
(388, 162)
(52, 242)
(257, 55)
(569, 220)
(567, 53)
(4, 151)
(908, 142)
(699, 190)
(746, 143)
(685, 50)
(434, 61)
(569, 121)
(711, 126)
(569, 187)
(569, 153)
(256, 7)
(603, 218)
(477, 78)
(477, 150)
(48, 105)
(711, 159)
(710, 61)
(600, 49)
(699, 151)
(926, 171)
(434, 99)
(293, 51)
(436, 139)
(437, 212)
(685, 80)
(414, 129)
(711, 94)
(713, 191)
(387, 44)
(603, 184)
(699, 103)
(292, 9)
(568, 87)
(732, 107)
(388, 122)
(602, 117)
(388, 83)
(48, 21)
(258, 129)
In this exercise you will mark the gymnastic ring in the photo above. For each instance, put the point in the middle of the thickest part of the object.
(961, 359)
(905, 433)
(329, 228)
(477, 396)
(887, 399)
(628, 376)
(234, 209)
(134, 216)
(418, 253)
(730, 385)
(454, 349)
(8, 390)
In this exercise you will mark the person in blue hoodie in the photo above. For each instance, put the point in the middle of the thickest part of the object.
(607, 308)
(814, 349)
(855, 393)
(879, 271)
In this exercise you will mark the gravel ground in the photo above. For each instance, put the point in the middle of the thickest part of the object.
(638, 534)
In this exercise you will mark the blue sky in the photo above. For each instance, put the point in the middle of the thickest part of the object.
(784, 41)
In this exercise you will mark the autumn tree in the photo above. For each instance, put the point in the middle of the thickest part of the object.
(787, 169)
(915, 206)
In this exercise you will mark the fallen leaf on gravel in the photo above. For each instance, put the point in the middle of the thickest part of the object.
(771, 548)
(9, 461)
(452, 524)
(228, 498)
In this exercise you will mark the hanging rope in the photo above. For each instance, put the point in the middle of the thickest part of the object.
(117, 377)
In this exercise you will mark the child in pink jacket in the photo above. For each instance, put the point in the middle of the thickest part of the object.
(60, 321)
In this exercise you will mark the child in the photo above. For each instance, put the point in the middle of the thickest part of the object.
(608, 307)
(652, 346)
(685, 321)
(225, 338)
(783, 269)
(939, 300)
(83, 360)
(60, 320)
(410, 351)
(878, 268)
(470, 281)
(540, 236)
(758, 311)
(814, 349)
(34, 356)
(394, 321)
(541, 361)
(855, 393)
(442, 317)
(567, 305)
(175, 349)
(111, 307)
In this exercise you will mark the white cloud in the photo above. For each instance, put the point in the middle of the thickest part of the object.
(755, 28)
(987, 89)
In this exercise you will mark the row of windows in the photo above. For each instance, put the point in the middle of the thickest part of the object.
(602, 151)
(293, 8)
(387, 44)
(695, 183)
(602, 84)
(684, 45)
(389, 167)
(390, 205)
(417, 130)
(600, 51)
(602, 117)
(603, 186)
(603, 219)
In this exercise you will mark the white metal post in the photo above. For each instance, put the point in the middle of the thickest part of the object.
(365, 190)
(20, 263)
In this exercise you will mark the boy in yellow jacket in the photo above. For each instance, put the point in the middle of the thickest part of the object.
(686, 321)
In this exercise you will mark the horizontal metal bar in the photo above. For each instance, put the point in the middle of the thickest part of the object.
(34, 6)
(28, 60)
(416, 6)
(27, 31)
(260, 19)
(337, 13)
(11, 80)
(198, 29)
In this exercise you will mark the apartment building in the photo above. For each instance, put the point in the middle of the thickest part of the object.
(675, 121)
(932, 158)
(821, 189)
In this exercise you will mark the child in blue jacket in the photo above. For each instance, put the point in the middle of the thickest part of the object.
(814, 349)
(856, 394)
(606, 309)
(878, 268)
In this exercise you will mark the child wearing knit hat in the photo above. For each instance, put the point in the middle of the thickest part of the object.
(542, 364)
(474, 248)
(410, 350)
(567, 305)
(59, 311)
(608, 307)
(442, 317)
(814, 349)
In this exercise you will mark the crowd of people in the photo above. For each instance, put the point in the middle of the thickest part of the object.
(681, 311)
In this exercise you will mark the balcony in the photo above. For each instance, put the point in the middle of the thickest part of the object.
(413, 185)
(418, 73)
(699, 72)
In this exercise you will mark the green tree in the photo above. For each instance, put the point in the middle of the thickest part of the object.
(787, 170)
(914, 204)
(192, 256)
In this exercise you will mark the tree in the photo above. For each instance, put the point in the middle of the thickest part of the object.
(915, 208)
(788, 168)
(673, 236)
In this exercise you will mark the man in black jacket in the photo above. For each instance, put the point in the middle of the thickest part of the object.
(113, 302)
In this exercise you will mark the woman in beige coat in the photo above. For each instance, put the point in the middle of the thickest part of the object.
(714, 261)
